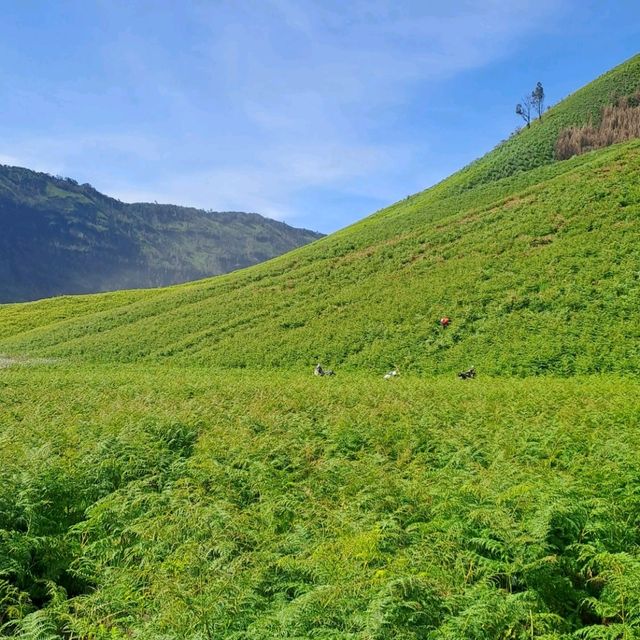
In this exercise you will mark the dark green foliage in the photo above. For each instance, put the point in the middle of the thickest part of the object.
(59, 237)
(176, 503)
(538, 98)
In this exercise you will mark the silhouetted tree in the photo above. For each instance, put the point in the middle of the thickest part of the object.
(524, 109)
(537, 98)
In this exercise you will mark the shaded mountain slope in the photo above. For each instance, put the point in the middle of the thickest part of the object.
(60, 237)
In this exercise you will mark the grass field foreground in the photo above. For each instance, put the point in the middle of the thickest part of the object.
(154, 502)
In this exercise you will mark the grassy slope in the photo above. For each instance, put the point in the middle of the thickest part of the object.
(61, 237)
(538, 272)
(537, 269)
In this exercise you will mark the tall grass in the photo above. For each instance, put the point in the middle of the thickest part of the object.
(619, 122)
(166, 503)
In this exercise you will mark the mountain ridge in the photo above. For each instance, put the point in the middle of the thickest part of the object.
(61, 237)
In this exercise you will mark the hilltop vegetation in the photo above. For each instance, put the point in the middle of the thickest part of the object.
(61, 237)
(535, 146)
(171, 470)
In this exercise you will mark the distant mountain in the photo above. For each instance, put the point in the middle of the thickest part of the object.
(60, 237)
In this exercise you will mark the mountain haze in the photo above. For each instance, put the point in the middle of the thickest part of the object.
(59, 237)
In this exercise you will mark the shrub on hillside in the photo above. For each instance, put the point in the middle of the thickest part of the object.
(620, 123)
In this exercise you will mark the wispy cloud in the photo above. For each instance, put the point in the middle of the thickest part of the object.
(256, 104)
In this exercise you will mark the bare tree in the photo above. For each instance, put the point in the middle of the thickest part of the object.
(537, 98)
(523, 109)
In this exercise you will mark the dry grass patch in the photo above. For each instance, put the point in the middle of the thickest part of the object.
(620, 123)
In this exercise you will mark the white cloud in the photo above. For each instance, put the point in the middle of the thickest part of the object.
(267, 183)
(86, 157)
(310, 79)
(266, 101)
(10, 160)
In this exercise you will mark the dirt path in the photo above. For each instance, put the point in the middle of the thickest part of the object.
(6, 362)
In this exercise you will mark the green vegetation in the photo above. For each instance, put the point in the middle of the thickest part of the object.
(62, 237)
(539, 273)
(534, 147)
(170, 469)
(186, 503)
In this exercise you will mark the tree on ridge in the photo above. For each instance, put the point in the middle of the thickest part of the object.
(523, 109)
(537, 97)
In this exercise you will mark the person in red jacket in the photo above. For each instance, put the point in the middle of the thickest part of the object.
(445, 322)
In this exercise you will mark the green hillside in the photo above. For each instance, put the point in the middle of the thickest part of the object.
(537, 269)
(539, 273)
(171, 470)
(59, 237)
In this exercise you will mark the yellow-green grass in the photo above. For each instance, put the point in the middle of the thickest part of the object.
(538, 272)
(164, 502)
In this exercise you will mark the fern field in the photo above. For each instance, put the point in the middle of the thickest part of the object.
(166, 503)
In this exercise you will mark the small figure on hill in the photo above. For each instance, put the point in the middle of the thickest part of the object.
(391, 374)
(319, 371)
(445, 321)
(468, 374)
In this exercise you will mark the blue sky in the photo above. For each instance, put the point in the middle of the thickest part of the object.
(313, 112)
